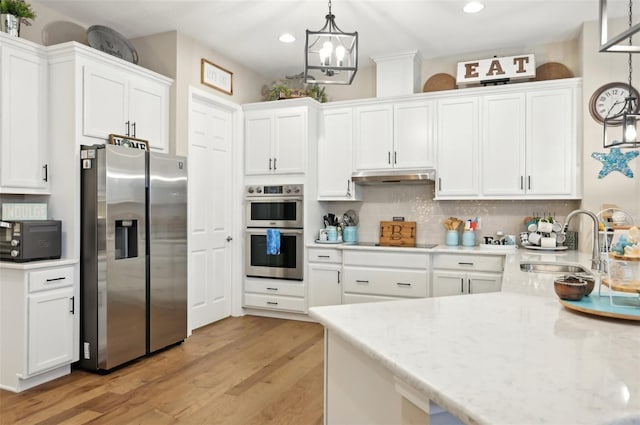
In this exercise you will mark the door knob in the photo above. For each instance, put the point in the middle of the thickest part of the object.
(229, 238)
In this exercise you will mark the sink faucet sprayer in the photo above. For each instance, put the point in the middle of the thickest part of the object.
(596, 262)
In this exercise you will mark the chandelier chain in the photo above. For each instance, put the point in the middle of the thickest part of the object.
(630, 43)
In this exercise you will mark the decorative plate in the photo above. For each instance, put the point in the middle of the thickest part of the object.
(439, 82)
(552, 71)
(111, 42)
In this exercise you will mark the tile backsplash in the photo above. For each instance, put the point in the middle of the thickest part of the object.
(415, 203)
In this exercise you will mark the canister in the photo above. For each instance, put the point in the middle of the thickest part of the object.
(350, 234)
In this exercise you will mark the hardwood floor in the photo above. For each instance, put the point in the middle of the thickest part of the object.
(246, 371)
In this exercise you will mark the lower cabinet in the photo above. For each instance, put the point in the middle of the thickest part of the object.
(38, 324)
(370, 275)
(325, 277)
(455, 274)
(274, 294)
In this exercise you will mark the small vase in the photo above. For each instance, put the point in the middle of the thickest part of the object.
(10, 24)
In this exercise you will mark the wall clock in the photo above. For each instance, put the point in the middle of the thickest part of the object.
(609, 100)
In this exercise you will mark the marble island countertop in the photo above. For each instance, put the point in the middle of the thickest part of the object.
(512, 357)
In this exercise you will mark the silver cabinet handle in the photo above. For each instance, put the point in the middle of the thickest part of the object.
(521, 182)
(395, 157)
(45, 167)
(362, 281)
(269, 163)
(389, 157)
(272, 289)
(56, 279)
(272, 303)
(348, 188)
(403, 284)
(73, 305)
(464, 264)
(275, 167)
(528, 182)
(128, 127)
(134, 129)
(439, 184)
(324, 256)
(338, 277)
(461, 285)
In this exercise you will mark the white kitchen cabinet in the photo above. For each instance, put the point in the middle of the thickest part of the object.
(335, 157)
(458, 147)
(394, 135)
(529, 143)
(276, 140)
(274, 294)
(456, 274)
(24, 138)
(122, 103)
(325, 276)
(385, 274)
(39, 324)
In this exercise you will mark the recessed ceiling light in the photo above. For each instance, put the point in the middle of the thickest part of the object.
(287, 38)
(473, 7)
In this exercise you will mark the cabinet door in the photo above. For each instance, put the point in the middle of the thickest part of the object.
(290, 141)
(503, 144)
(149, 113)
(258, 140)
(23, 122)
(484, 282)
(335, 157)
(413, 135)
(458, 147)
(551, 142)
(104, 102)
(50, 324)
(446, 283)
(373, 137)
(324, 284)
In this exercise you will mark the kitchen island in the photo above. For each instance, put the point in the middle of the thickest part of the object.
(512, 357)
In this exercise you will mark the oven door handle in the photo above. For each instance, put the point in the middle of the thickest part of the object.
(263, 231)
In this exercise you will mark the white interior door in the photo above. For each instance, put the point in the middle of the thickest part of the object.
(210, 206)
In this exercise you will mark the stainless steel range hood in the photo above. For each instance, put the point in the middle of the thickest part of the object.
(394, 176)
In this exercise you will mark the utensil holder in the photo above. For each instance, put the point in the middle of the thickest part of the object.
(451, 238)
(468, 238)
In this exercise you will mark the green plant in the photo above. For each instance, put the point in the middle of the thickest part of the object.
(278, 91)
(317, 92)
(19, 9)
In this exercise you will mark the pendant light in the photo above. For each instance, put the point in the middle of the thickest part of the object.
(627, 118)
(331, 55)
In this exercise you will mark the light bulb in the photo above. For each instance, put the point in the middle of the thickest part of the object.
(340, 55)
(328, 47)
(325, 57)
(630, 132)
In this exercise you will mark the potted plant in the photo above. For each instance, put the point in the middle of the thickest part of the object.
(13, 13)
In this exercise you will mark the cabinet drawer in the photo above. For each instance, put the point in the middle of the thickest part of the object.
(386, 259)
(50, 278)
(274, 302)
(274, 287)
(493, 263)
(389, 282)
(320, 255)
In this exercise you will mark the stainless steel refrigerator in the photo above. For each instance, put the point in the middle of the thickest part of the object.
(133, 263)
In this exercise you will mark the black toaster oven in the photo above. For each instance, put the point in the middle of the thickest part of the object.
(30, 240)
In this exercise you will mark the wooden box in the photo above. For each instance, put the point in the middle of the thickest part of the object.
(398, 233)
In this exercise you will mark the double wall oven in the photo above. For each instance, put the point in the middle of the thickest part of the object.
(274, 207)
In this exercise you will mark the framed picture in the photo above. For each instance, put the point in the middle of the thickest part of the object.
(130, 142)
(216, 77)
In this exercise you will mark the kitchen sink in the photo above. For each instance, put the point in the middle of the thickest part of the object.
(553, 268)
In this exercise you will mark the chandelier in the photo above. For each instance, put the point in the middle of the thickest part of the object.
(331, 55)
(624, 115)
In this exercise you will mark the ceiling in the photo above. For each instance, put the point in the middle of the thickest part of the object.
(247, 31)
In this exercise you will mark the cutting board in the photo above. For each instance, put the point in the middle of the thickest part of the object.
(398, 233)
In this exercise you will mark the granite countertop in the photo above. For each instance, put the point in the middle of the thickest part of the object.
(513, 357)
(28, 265)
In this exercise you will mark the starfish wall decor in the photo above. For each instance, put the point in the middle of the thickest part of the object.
(615, 160)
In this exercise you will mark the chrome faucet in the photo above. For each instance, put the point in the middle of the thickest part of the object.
(596, 262)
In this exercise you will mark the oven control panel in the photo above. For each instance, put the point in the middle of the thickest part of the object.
(274, 190)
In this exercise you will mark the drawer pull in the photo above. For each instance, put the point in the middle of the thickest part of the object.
(272, 289)
(403, 284)
(272, 303)
(461, 285)
(73, 306)
(56, 279)
(362, 281)
(338, 277)
(324, 256)
(465, 264)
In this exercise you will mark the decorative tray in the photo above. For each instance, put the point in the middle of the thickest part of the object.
(111, 42)
(539, 248)
(632, 286)
(623, 257)
(600, 305)
(328, 242)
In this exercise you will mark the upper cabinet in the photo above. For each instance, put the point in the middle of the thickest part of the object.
(394, 135)
(24, 137)
(335, 157)
(276, 137)
(519, 141)
(457, 135)
(125, 104)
